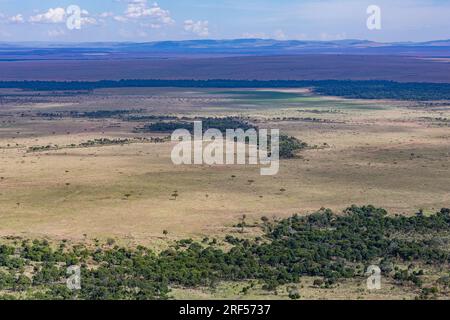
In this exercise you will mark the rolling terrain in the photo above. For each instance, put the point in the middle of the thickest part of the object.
(86, 176)
(228, 59)
(81, 183)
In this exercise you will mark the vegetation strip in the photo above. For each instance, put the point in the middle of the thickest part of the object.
(324, 245)
(369, 89)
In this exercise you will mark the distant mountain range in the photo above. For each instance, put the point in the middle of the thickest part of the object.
(101, 50)
(241, 59)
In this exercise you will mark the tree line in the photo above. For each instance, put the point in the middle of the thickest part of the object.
(368, 89)
(325, 245)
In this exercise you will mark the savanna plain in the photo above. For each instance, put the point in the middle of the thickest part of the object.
(77, 167)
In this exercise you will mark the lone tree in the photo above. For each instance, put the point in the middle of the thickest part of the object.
(243, 224)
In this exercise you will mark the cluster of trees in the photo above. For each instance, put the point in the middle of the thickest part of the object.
(371, 89)
(385, 90)
(42, 148)
(166, 126)
(304, 119)
(289, 146)
(103, 142)
(99, 142)
(101, 114)
(222, 124)
(89, 143)
(96, 114)
(138, 117)
(322, 244)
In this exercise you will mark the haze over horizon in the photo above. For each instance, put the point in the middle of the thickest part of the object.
(195, 40)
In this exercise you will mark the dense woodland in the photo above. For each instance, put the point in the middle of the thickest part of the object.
(221, 124)
(289, 146)
(324, 245)
(372, 89)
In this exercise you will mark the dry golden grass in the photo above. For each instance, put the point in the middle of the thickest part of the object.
(377, 153)
(354, 289)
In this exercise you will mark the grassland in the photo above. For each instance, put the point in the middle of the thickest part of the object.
(378, 152)
(290, 66)
(387, 153)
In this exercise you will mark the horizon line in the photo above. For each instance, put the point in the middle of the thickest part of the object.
(218, 39)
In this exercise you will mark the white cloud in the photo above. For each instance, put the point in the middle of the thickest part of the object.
(59, 15)
(120, 19)
(53, 15)
(139, 9)
(200, 28)
(88, 20)
(151, 25)
(106, 15)
(18, 18)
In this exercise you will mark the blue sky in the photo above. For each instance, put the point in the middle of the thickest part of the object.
(145, 20)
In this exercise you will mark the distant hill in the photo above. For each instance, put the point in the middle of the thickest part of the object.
(240, 59)
(110, 50)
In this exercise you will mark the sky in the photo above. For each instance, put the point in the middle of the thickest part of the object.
(146, 20)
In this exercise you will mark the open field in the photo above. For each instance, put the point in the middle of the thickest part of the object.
(390, 154)
(355, 289)
(260, 67)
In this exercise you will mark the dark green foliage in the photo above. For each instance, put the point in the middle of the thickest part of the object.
(96, 114)
(404, 276)
(322, 244)
(289, 146)
(385, 90)
(98, 143)
(22, 283)
(167, 126)
(221, 124)
(101, 114)
(48, 273)
(148, 117)
(428, 293)
(371, 89)
(7, 280)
